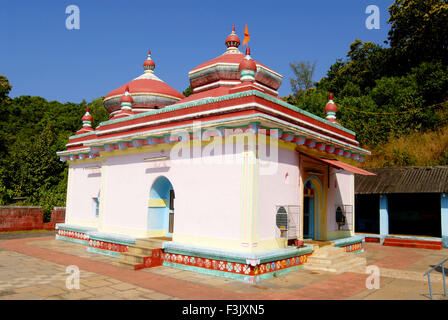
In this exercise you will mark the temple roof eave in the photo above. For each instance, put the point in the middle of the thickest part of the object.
(263, 120)
(209, 100)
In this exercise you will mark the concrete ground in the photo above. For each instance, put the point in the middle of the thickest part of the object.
(35, 268)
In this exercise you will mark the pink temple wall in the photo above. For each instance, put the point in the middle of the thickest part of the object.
(83, 186)
(281, 188)
(340, 191)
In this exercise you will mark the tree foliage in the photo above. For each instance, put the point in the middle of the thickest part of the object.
(303, 72)
(418, 32)
(385, 93)
(32, 130)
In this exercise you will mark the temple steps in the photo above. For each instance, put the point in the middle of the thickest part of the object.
(144, 254)
(413, 243)
(333, 259)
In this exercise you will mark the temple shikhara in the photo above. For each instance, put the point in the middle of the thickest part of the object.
(231, 181)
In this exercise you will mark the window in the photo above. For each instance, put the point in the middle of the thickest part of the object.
(96, 206)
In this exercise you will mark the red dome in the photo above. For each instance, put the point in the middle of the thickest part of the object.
(232, 40)
(146, 86)
(247, 63)
(331, 106)
(148, 92)
(87, 116)
(126, 97)
(149, 64)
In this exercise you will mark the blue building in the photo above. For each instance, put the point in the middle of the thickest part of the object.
(403, 206)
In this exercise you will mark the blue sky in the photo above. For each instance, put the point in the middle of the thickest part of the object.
(41, 57)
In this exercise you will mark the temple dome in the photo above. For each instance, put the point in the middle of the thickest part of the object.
(223, 71)
(148, 92)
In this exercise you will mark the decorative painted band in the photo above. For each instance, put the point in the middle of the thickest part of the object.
(252, 127)
(320, 146)
(300, 140)
(354, 247)
(73, 240)
(108, 246)
(234, 267)
(310, 143)
(329, 149)
(154, 260)
(73, 234)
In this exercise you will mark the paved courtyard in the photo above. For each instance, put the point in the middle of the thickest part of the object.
(34, 267)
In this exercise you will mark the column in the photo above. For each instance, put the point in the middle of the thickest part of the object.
(384, 216)
(444, 218)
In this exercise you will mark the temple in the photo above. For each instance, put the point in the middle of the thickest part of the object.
(230, 181)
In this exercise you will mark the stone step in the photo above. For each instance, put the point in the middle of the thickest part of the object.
(330, 260)
(152, 243)
(140, 250)
(124, 264)
(348, 258)
(132, 257)
(329, 253)
(340, 267)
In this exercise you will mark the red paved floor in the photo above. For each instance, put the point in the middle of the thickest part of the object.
(339, 287)
(173, 287)
(397, 258)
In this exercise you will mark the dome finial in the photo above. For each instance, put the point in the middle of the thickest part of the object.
(149, 64)
(86, 122)
(330, 109)
(87, 119)
(126, 100)
(247, 67)
(232, 41)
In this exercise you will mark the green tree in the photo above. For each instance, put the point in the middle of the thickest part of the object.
(418, 31)
(303, 72)
(188, 91)
(5, 87)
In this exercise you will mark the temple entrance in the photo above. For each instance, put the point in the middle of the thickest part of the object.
(161, 207)
(311, 198)
(308, 211)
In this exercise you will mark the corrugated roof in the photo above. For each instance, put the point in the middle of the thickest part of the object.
(403, 180)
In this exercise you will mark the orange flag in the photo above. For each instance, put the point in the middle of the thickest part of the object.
(246, 36)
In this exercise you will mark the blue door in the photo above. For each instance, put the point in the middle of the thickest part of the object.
(308, 217)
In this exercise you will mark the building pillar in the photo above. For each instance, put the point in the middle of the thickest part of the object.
(384, 217)
(444, 218)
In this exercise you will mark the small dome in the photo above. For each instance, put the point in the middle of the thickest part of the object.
(148, 92)
(149, 64)
(232, 41)
(331, 106)
(247, 63)
(126, 97)
(87, 116)
(223, 71)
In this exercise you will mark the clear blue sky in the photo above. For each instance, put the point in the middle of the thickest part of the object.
(40, 57)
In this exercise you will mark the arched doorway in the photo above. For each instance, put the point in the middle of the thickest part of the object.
(311, 196)
(161, 207)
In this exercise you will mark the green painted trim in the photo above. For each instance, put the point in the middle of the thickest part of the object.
(348, 241)
(287, 256)
(111, 238)
(75, 228)
(72, 240)
(82, 135)
(274, 274)
(104, 252)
